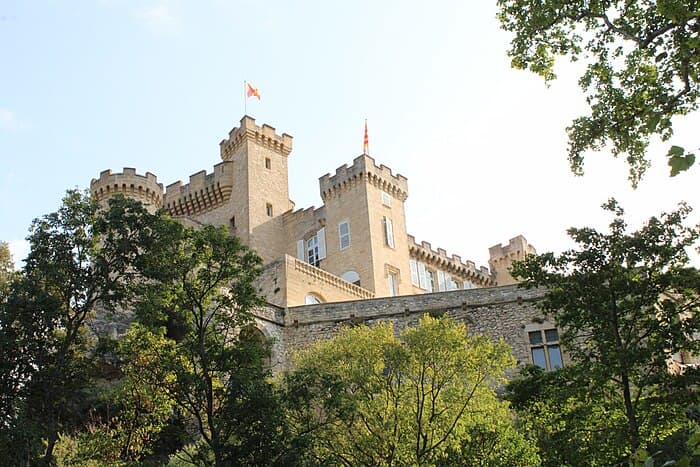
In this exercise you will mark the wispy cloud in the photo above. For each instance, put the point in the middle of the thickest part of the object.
(159, 18)
(9, 121)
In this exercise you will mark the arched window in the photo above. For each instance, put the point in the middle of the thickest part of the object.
(312, 299)
(351, 276)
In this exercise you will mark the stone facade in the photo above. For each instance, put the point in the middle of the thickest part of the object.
(505, 312)
(350, 260)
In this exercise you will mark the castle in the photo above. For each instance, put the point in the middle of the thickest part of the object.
(350, 260)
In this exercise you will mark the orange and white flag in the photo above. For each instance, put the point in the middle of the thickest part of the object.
(251, 91)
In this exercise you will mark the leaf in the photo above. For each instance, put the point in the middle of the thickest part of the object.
(679, 161)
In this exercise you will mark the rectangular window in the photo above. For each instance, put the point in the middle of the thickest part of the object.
(430, 283)
(544, 348)
(268, 210)
(344, 234)
(393, 285)
(386, 199)
(312, 251)
(468, 285)
(268, 163)
(389, 232)
(442, 286)
(316, 248)
(414, 272)
(451, 284)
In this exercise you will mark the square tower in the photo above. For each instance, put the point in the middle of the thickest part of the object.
(366, 226)
(260, 185)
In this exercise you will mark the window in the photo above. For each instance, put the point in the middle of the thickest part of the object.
(544, 348)
(315, 248)
(312, 299)
(312, 251)
(344, 234)
(393, 285)
(450, 283)
(268, 163)
(430, 280)
(389, 232)
(386, 199)
(468, 285)
(268, 210)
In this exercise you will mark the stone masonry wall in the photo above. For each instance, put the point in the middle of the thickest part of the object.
(499, 312)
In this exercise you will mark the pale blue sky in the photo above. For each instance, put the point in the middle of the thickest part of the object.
(87, 85)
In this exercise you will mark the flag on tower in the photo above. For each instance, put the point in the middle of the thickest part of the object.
(365, 146)
(251, 91)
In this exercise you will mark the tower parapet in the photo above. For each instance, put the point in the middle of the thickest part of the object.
(364, 169)
(501, 257)
(203, 193)
(264, 136)
(424, 252)
(144, 188)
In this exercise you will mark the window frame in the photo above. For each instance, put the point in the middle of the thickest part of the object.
(546, 346)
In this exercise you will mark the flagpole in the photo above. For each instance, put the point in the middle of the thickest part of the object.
(245, 99)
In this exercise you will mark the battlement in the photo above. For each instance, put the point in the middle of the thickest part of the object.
(203, 193)
(464, 269)
(517, 248)
(263, 135)
(144, 188)
(364, 169)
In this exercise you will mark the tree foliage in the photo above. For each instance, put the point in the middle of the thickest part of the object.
(367, 397)
(199, 286)
(626, 301)
(6, 268)
(642, 68)
(80, 257)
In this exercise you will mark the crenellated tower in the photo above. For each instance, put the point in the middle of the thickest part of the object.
(365, 202)
(144, 188)
(502, 257)
(260, 178)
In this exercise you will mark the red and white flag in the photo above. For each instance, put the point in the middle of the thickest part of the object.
(251, 91)
(365, 146)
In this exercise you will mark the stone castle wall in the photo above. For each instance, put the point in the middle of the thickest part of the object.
(506, 312)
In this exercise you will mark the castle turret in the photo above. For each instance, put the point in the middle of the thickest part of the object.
(260, 180)
(144, 188)
(366, 226)
(501, 258)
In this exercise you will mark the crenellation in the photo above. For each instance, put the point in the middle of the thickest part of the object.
(364, 169)
(203, 193)
(265, 136)
(145, 188)
(454, 263)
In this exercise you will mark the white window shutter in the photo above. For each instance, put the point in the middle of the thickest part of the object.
(321, 243)
(422, 279)
(300, 250)
(389, 231)
(441, 281)
(414, 272)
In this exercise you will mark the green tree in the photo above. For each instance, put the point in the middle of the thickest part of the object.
(626, 302)
(140, 408)
(366, 397)
(642, 68)
(199, 286)
(6, 268)
(80, 257)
